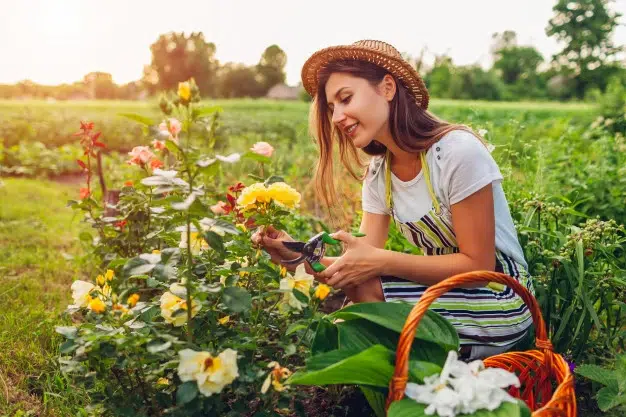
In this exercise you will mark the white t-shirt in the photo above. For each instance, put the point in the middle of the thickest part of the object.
(459, 166)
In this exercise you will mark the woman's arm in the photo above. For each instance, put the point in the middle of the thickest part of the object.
(474, 225)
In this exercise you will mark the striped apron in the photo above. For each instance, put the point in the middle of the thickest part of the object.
(482, 316)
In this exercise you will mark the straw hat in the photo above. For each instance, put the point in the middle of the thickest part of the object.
(376, 52)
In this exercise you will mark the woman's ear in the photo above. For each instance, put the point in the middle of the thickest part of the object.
(388, 87)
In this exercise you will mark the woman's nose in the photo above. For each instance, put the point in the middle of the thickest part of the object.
(338, 116)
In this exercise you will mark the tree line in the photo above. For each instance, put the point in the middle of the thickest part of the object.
(587, 64)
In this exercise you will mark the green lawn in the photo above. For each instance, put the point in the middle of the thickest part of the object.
(37, 234)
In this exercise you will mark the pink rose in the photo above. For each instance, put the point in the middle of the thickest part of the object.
(141, 155)
(171, 126)
(159, 145)
(219, 208)
(263, 148)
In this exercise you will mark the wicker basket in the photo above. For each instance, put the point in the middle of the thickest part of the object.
(547, 384)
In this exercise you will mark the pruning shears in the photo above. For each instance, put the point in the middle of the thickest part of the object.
(313, 250)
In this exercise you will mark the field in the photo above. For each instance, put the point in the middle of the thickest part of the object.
(565, 180)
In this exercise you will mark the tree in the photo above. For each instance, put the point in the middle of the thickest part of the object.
(177, 58)
(271, 67)
(100, 85)
(517, 62)
(238, 80)
(586, 27)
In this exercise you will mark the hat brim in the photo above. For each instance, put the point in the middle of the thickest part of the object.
(398, 67)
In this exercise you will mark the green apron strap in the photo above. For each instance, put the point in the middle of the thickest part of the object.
(431, 191)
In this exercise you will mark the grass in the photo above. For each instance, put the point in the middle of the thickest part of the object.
(37, 233)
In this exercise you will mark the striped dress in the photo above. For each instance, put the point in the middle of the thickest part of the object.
(481, 316)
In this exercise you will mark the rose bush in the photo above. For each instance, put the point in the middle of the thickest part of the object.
(184, 316)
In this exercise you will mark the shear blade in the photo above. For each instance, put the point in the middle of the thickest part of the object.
(294, 246)
(293, 261)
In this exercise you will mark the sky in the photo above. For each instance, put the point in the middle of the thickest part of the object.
(59, 41)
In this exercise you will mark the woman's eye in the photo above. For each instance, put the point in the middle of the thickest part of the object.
(346, 100)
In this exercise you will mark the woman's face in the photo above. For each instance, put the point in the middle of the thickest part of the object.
(359, 110)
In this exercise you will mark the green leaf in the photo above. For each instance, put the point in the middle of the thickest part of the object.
(370, 367)
(294, 327)
(300, 296)
(433, 327)
(595, 373)
(67, 331)
(136, 266)
(326, 337)
(85, 237)
(360, 334)
(186, 392)
(157, 346)
(138, 118)
(273, 179)
(214, 240)
(608, 398)
(237, 299)
(205, 111)
(68, 346)
(256, 157)
(375, 399)
(418, 370)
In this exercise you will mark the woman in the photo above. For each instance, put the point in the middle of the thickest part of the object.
(437, 181)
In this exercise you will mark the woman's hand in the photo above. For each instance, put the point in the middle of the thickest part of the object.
(359, 263)
(272, 241)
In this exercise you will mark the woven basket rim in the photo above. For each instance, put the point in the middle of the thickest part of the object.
(563, 400)
(358, 51)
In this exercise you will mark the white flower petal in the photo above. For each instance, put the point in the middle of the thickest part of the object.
(232, 158)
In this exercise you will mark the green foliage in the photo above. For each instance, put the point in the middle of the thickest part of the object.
(586, 27)
(613, 393)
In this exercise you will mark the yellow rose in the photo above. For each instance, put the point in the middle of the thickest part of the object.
(163, 381)
(253, 195)
(284, 194)
(211, 373)
(172, 304)
(96, 305)
(184, 91)
(300, 281)
(156, 252)
(109, 275)
(321, 291)
(198, 244)
(224, 320)
(132, 300)
(100, 280)
(80, 293)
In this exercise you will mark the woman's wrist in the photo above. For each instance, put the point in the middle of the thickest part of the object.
(380, 258)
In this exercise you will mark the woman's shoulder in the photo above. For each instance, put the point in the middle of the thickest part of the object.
(376, 164)
(459, 144)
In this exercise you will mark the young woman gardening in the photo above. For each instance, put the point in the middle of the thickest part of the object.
(437, 182)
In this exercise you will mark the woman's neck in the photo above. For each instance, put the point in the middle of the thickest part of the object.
(398, 156)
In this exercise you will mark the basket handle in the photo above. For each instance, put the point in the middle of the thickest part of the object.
(400, 375)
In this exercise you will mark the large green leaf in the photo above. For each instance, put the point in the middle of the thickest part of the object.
(370, 367)
(360, 334)
(326, 337)
(433, 327)
(409, 408)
